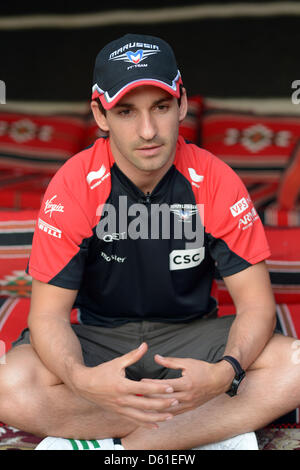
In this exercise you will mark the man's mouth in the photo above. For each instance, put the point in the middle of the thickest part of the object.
(149, 149)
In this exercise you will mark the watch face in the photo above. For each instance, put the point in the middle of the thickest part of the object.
(239, 374)
(235, 384)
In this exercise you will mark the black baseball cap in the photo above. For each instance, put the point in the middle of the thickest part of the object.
(131, 61)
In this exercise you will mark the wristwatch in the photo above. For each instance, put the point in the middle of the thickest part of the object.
(239, 374)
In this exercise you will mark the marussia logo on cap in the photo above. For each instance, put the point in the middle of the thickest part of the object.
(135, 57)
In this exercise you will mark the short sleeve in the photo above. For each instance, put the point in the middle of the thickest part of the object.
(235, 233)
(61, 237)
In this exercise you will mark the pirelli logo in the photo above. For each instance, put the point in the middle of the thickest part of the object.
(53, 231)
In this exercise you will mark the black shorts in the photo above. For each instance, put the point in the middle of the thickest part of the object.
(203, 339)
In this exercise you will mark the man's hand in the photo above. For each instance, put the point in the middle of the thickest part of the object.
(107, 386)
(200, 381)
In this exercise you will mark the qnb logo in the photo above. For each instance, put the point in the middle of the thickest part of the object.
(185, 259)
(2, 92)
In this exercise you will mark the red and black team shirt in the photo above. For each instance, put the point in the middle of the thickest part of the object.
(124, 272)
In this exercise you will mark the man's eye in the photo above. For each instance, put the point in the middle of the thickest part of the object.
(162, 107)
(125, 112)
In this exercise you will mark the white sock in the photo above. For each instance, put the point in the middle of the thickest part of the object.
(58, 443)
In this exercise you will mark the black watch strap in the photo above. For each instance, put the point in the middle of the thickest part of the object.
(239, 374)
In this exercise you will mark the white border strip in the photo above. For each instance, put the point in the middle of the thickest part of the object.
(154, 15)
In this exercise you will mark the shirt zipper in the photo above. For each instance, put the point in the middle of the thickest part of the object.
(148, 198)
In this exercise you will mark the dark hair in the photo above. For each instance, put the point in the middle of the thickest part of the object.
(180, 91)
(100, 106)
(103, 110)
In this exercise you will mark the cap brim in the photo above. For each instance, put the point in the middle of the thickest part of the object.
(109, 102)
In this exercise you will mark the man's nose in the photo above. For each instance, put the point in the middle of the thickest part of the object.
(147, 126)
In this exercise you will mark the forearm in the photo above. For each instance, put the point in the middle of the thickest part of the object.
(57, 346)
(250, 332)
(255, 321)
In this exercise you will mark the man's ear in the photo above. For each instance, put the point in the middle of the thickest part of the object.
(183, 105)
(99, 117)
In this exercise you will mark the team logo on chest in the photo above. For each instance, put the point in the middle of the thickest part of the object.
(184, 212)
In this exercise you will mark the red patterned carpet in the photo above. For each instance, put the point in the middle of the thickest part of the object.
(268, 439)
(278, 439)
(13, 439)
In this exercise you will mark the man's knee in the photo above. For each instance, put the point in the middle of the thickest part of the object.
(280, 351)
(23, 371)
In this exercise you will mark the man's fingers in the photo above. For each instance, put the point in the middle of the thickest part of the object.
(133, 356)
(145, 417)
(175, 384)
(170, 362)
(145, 387)
(160, 403)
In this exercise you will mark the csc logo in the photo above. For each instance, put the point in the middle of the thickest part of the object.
(185, 259)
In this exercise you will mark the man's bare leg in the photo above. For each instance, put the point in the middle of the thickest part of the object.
(34, 400)
(271, 389)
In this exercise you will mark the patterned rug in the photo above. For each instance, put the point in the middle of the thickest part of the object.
(268, 439)
(13, 439)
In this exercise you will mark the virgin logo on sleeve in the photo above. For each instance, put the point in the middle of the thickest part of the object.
(239, 207)
(51, 206)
